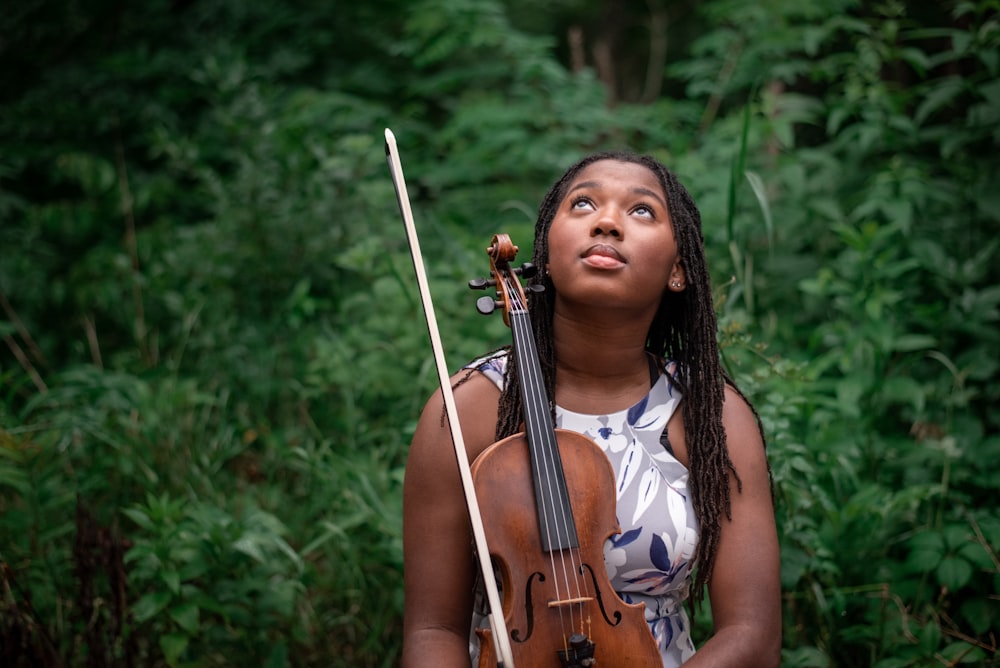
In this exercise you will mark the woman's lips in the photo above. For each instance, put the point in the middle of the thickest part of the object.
(603, 256)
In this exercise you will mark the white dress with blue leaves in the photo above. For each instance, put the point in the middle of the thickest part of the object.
(651, 560)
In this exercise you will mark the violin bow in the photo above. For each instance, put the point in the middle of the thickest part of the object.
(497, 622)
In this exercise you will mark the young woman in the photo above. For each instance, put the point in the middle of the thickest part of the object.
(626, 334)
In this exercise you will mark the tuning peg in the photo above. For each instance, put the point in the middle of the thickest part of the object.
(526, 270)
(486, 305)
(536, 288)
(481, 283)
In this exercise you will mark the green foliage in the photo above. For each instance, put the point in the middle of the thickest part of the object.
(213, 356)
(212, 578)
(880, 457)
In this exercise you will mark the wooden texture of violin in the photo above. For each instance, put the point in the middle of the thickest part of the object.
(547, 498)
(502, 475)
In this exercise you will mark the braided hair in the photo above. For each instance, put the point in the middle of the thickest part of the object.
(683, 329)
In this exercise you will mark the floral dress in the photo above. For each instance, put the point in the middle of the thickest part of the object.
(651, 560)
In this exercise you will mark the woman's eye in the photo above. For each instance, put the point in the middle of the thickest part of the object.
(643, 210)
(582, 203)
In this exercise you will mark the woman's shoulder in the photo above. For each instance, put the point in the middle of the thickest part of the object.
(744, 437)
(476, 401)
(736, 407)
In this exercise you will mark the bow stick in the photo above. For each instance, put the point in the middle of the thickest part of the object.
(499, 626)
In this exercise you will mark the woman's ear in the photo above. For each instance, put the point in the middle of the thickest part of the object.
(677, 281)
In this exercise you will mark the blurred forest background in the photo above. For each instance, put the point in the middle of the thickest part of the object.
(212, 356)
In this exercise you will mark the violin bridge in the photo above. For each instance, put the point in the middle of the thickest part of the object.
(571, 601)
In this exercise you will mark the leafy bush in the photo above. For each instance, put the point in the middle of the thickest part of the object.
(213, 359)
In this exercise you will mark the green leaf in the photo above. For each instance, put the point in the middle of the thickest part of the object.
(794, 563)
(906, 343)
(206, 603)
(150, 605)
(194, 568)
(277, 657)
(849, 392)
(960, 41)
(760, 191)
(249, 544)
(930, 638)
(963, 652)
(926, 551)
(903, 389)
(186, 615)
(942, 93)
(173, 646)
(976, 555)
(13, 477)
(954, 572)
(805, 657)
(981, 614)
(173, 581)
(957, 536)
(140, 517)
(894, 662)
(835, 120)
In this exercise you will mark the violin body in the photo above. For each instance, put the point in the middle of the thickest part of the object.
(536, 613)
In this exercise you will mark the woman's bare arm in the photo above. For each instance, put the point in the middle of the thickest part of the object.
(745, 588)
(439, 565)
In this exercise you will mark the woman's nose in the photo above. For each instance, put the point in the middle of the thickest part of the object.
(608, 223)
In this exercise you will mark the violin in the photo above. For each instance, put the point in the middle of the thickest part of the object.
(547, 547)
(550, 509)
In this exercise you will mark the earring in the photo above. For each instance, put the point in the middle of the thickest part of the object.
(675, 284)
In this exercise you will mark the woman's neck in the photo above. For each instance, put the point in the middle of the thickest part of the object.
(601, 367)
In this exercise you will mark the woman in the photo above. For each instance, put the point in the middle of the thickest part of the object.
(626, 331)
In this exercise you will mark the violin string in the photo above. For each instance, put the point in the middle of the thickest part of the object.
(545, 437)
(563, 514)
(532, 416)
(566, 512)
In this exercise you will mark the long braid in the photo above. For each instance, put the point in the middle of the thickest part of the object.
(691, 341)
(683, 329)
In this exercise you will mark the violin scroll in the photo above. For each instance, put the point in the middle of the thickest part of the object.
(510, 293)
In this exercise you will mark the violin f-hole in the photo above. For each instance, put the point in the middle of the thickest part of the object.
(600, 599)
(529, 611)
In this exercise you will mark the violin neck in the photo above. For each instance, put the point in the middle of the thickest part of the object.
(555, 516)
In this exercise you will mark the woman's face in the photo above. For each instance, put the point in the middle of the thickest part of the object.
(611, 242)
